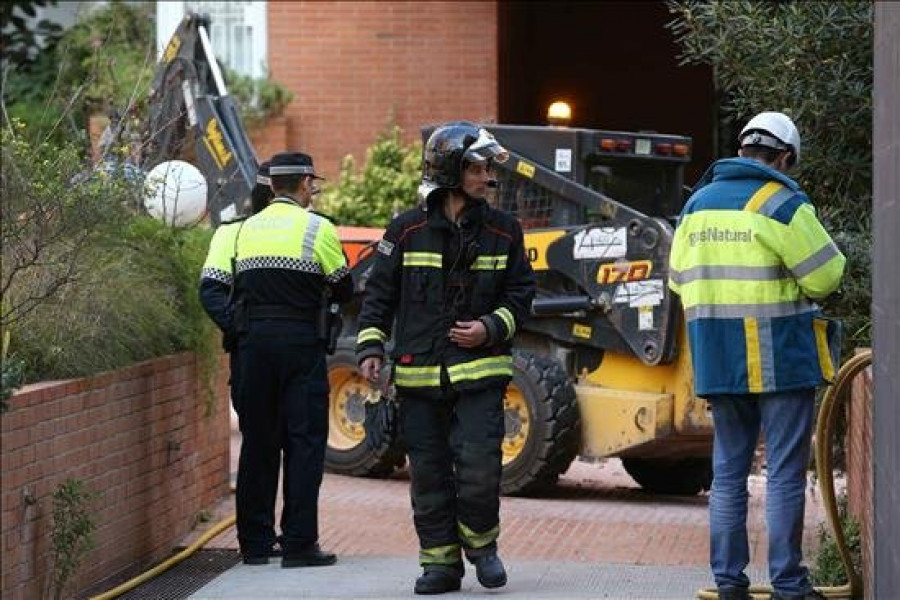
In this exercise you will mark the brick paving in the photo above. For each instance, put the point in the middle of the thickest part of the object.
(596, 514)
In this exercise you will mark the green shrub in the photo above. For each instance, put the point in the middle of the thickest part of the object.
(71, 532)
(813, 61)
(257, 99)
(88, 282)
(828, 569)
(385, 187)
(105, 61)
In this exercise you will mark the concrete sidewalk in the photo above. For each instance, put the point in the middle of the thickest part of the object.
(375, 577)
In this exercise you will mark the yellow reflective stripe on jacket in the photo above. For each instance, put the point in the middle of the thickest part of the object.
(762, 195)
(490, 263)
(369, 334)
(472, 539)
(441, 555)
(417, 376)
(422, 259)
(508, 320)
(492, 366)
(760, 354)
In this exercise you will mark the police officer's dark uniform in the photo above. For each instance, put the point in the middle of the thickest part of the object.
(286, 257)
(216, 278)
(431, 273)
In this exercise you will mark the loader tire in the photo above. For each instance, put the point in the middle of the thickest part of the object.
(673, 476)
(347, 452)
(543, 430)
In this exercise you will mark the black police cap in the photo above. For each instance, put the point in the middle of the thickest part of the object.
(292, 163)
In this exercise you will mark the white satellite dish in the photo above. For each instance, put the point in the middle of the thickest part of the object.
(175, 193)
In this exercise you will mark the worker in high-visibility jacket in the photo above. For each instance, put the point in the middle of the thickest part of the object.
(453, 272)
(288, 264)
(749, 260)
(217, 277)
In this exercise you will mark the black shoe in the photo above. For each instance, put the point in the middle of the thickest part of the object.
(813, 595)
(439, 579)
(313, 556)
(489, 570)
(733, 593)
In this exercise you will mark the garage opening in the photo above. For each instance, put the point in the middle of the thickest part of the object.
(615, 63)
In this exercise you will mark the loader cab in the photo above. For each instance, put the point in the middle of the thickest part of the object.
(643, 170)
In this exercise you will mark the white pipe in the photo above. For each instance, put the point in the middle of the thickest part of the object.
(211, 59)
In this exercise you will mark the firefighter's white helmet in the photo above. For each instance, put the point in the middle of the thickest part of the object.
(175, 193)
(773, 130)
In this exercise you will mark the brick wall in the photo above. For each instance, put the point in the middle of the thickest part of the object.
(859, 471)
(141, 437)
(354, 65)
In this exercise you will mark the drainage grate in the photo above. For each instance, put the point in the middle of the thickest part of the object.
(186, 577)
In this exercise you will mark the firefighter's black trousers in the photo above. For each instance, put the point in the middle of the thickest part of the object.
(283, 410)
(454, 446)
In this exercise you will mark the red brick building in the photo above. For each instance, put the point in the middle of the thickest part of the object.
(355, 66)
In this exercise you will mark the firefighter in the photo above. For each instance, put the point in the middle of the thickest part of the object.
(286, 259)
(749, 260)
(217, 276)
(453, 272)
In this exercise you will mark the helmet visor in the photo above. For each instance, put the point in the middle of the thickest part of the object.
(486, 147)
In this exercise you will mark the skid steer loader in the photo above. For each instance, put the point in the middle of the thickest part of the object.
(602, 367)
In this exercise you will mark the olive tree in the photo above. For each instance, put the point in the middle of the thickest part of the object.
(812, 61)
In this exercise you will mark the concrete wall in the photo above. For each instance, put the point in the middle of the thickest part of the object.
(886, 299)
(354, 65)
(141, 437)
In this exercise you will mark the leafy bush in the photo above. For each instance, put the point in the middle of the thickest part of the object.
(828, 569)
(103, 62)
(385, 187)
(77, 252)
(71, 532)
(813, 61)
(257, 99)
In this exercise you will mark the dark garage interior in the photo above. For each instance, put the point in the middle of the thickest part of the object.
(615, 63)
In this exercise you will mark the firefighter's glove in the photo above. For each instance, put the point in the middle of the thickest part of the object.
(381, 424)
(370, 368)
(468, 334)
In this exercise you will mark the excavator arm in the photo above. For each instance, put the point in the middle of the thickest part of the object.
(193, 117)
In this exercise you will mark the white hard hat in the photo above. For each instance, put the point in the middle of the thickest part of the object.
(773, 130)
(175, 193)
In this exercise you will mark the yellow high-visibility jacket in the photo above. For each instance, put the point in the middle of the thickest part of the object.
(748, 260)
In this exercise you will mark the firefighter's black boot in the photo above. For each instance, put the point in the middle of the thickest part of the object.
(489, 570)
(439, 579)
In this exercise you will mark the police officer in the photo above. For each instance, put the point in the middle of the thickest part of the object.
(454, 274)
(286, 258)
(216, 278)
(748, 260)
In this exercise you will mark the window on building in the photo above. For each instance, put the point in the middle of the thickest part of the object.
(238, 32)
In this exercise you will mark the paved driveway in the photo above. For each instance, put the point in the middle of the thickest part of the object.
(596, 514)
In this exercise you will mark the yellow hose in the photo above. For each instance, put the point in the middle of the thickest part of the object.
(835, 397)
(168, 563)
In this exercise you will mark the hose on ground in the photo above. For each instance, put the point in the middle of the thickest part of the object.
(835, 397)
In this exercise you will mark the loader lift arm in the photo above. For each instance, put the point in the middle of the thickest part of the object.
(193, 116)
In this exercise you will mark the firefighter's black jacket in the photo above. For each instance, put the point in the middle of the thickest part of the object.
(430, 273)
